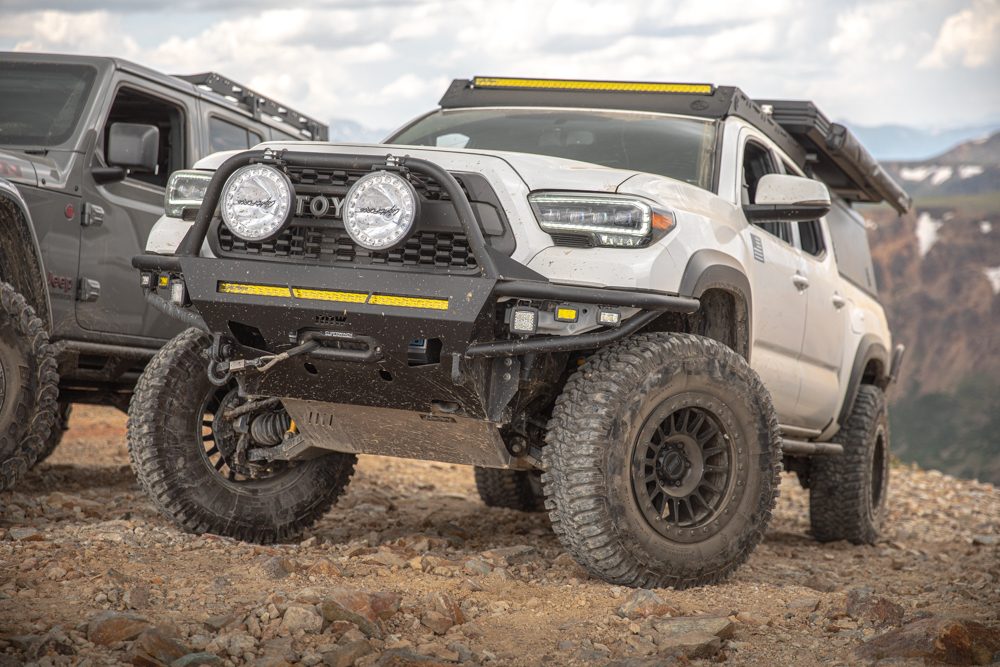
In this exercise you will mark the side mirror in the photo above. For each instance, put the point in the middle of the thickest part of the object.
(134, 146)
(782, 198)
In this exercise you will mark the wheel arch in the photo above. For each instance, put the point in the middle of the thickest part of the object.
(20, 255)
(710, 271)
(871, 366)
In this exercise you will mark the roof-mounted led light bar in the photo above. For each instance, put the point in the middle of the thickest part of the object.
(602, 86)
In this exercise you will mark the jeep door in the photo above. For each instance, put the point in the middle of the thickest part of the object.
(779, 305)
(119, 215)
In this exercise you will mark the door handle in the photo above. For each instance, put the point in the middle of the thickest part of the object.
(838, 301)
(93, 215)
(800, 281)
(90, 290)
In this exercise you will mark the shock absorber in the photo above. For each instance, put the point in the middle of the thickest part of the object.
(269, 429)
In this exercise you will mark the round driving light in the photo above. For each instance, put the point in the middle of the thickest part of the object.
(257, 202)
(380, 210)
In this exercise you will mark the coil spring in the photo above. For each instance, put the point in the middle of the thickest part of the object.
(269, 429)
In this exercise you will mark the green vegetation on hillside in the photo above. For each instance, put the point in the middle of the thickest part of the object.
(957, 433)
(988, 202)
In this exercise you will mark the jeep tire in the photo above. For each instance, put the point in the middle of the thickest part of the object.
(642, 430)
(847, 493)
(28, 386)
(513, 489)
(181, 468)
(59, 426)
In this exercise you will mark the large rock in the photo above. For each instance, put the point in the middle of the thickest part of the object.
(298, 617)
(195, 659)
(109, 627)
(156, 647)
(955, 641)
(437, 622)
(361, 608)
(443, 604)
(398, 657)
(863, 604)
(694, 645)
(719, 626)
(643, 604)
(347, 655)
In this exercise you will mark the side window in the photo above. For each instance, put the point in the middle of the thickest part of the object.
(811, 237)
(850, 247)
(132, 106)
(226, 136)
(757, 163)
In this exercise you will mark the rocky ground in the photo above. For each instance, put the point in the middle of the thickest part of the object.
(411, 569)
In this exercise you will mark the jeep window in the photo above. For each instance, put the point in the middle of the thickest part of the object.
(811, 237)
(757, 163)
(278, 135)
(226, 136)
(132, 106)
(680, 148)
(850, 247)
(41, 103)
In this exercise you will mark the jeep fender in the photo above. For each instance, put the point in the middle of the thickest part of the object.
(870, 348)
(20, 255)
(712, 269)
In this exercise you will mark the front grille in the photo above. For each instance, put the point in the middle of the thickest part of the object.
(572, 241)
(423, 249)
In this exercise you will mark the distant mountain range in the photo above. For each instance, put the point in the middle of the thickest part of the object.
(895, 142)
(938, 271)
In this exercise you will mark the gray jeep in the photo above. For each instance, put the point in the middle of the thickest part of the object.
(86, 149)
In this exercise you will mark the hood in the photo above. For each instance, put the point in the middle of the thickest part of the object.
(539, 172)
(17, 168)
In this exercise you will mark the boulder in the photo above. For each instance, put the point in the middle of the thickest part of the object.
(300, 617)
(694, 645)
(719, 626)
(156, 647)
(955, 641)
(109, 627)
(345, 656)
(863, 604)
(643, 604)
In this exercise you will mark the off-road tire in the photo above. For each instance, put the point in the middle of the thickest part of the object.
(29, 385)
(59, 427)
(513, 489)
(167, 452)
(597, 428)
(847, 493)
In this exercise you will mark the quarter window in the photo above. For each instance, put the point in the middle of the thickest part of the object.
(757, 163)
(850, 247)
(226, 136)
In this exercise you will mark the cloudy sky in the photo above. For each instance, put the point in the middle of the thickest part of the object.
(921, 63)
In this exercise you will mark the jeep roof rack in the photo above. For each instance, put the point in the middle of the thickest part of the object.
(836, 156)
(799, 128)
(257, 104)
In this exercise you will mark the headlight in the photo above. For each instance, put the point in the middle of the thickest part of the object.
(608, 220)
(185, 189)
(257, 202)
(380, 210)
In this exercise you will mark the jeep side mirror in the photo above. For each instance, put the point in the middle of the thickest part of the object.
(782, 198)
(134, 146)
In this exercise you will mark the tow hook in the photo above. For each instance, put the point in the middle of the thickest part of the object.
(220, 372)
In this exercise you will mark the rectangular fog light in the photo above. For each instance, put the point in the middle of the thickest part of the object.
(567, 314)
(524, 320)
(610, 318)
(178, 292)
(147, 280)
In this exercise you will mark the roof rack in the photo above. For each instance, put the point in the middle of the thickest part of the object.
(836, 157)
(258, 105)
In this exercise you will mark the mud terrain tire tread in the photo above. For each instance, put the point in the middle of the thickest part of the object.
(168, 389)
(840, 485)
(56, 433)
(31, 424)
(577, 442)
(507, 488)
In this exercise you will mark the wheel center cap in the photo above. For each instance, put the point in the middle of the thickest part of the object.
(671, 466)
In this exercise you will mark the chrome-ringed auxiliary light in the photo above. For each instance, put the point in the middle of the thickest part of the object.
(257, 202)
(380, 210)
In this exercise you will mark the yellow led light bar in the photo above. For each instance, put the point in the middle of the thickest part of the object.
(329, 295)
(606, 86)
(408, 302)
(255, 290)
(564, 314)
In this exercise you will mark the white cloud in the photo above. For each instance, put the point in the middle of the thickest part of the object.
(971, 36)
(96, 32)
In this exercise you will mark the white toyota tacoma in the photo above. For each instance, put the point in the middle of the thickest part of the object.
(627, 303)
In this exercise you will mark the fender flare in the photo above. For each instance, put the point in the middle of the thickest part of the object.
(869, 348)
(20, 255)
(712, 269)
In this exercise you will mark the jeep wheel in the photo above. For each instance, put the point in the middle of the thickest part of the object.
(28, 386)
(59, 427)
(513, 489)
(184, 453)
(663, 462)
(847, 493)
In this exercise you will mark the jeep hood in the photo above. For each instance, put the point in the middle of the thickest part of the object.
(539, 172)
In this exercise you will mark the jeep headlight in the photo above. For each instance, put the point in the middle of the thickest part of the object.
(608, 220)
(256, 202)
(185, 189)
(380, 210)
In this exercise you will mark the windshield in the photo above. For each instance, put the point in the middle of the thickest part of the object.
(680, 148)
(41, 103)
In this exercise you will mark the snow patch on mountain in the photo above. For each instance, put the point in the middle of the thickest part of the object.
(993, 275)
(927, 232)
